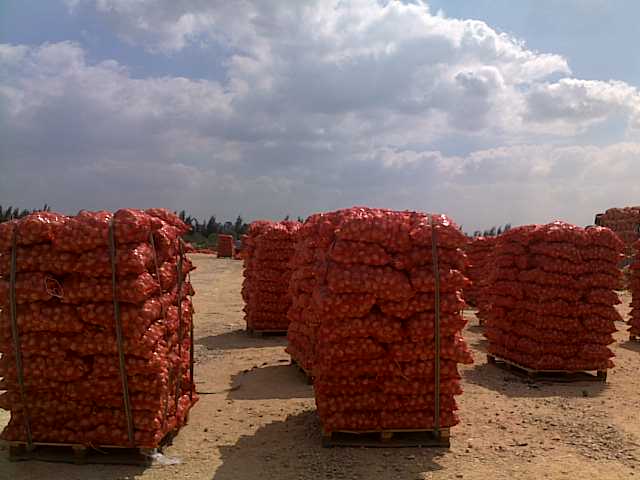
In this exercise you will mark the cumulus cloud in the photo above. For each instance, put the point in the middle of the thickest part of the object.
(358, 57)
(324, 104)
(574, 105)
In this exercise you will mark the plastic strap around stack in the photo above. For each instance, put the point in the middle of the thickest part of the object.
(16, 338)
(436, 324)
(119, 340)
(180, 333)
(162, 314)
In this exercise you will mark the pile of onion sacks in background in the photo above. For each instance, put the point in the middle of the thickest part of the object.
(268, 247)
(634, 286)
(553, 298)
(479, 252)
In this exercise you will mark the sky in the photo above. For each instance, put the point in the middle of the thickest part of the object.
(491, 111)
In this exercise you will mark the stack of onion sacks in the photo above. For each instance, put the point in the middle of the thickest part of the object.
(624, 222)
(225, 246)
(269, 247)
(553, 298)
(370, 296)
(312, 240)
(66, 325)
(634, 287)
(483, 281)
(477, 250)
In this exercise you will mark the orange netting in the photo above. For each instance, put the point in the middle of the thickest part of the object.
(634, 286)
(65, 317)
(363, 317)
(552, 297)
(268, 248)
(225, 246)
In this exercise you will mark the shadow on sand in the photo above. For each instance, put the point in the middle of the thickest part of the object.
(267, 382)
(238, 339)
(498, 379)
(291, 449)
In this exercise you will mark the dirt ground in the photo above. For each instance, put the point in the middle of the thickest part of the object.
(256, 416)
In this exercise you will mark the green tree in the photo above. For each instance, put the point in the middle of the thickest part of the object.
(11, 213)
(212, 226)
(238, 227)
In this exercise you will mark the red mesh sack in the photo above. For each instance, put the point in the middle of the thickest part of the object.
(556, 311)
(362, 316)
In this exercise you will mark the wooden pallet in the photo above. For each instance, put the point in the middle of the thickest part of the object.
(304, 371)
(265, 333)
(79, 454)
(387, 438)
(85, 454)
(566, 376)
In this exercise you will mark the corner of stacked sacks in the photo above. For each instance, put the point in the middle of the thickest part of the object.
(225, 246)
(553, 298)
(479, 252)
(624, 223)
(65, 316)
(363, 318)
(267, 249)
(634, 286)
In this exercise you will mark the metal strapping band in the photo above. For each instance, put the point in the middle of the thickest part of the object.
(119, 340)
(16, 337)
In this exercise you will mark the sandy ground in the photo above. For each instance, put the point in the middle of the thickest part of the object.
(256, 416)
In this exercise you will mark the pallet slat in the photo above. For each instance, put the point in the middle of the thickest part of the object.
(388, 438)
(80, 454)
(549, 375)
(85, 454)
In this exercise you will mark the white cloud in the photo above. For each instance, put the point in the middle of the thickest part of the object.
(324, 104)
(539, 183)
(574, 105)
(335, 57)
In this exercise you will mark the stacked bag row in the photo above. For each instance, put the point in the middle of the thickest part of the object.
(484, 304)
(366, 299)
(225, 246)
(553, 298)
(479, 251)
(624, 222)
(72, 387)
(634, 287)
(303, 319)
(268, 248)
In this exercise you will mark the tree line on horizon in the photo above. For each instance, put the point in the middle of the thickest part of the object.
(13, 213)
(492, 232)
(206, 233)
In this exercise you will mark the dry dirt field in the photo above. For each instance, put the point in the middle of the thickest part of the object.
(256, 418)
